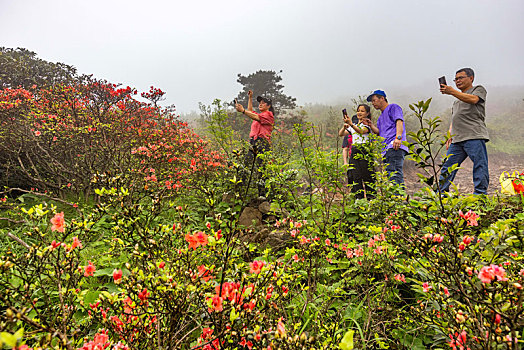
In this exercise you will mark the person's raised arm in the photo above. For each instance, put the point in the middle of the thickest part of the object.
(355, 127)
(367, 122)
(250, 114)
(343, 131)
(250, 100)
(468, 98)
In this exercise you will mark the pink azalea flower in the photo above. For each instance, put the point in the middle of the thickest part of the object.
(426, 287)
(76, 243)
(89, 269)
(58, 222)
(400, 278)
(470, 217)
(216, 304)
(256, 266)
(489, 273)
(438, 238)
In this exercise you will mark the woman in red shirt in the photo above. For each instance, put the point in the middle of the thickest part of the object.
(259, 136)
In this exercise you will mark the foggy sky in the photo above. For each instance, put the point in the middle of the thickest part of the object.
(327, 49)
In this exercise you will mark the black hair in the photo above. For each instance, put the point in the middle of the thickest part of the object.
(366, 107)
(469, 72)
(379, 96)
(269, 102)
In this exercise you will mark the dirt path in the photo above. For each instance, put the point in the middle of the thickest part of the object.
(464, 179)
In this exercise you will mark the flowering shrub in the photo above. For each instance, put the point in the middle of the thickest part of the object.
(74, 138)
(146, 269)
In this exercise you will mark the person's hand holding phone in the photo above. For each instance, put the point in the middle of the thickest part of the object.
(250, 93)
(239, 107)
(444, 88)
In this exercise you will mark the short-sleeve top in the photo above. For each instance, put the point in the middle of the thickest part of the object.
(359, 138)
(468, 121)
(387, 126)
(264, 127)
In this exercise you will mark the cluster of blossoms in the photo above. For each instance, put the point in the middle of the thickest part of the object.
(458, 341)
(206, 340)
(437, 238)
(128, 318)
(492, 272)
(466, 240)
(75, 244)
(470, 217)
(197, 239)
(101, 342)
(232, 292)
(58, 223)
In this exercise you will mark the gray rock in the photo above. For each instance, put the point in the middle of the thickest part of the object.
(250, 217)
(264, 207)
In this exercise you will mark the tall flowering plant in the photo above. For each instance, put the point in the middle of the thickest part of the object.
(73, 138)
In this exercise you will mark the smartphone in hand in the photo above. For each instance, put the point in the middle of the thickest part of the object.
(442, 81)
(236, 102)
(344, 113)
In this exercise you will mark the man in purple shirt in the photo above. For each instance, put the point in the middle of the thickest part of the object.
(390, 126)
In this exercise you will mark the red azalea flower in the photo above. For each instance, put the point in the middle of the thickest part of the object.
(256, 266)
(89, 269)
(143, 295)
(201, 238)
(117, 276)
(193, 243)
(76, 243)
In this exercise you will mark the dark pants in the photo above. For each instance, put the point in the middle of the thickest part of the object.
(458, 152)
(395, 164)
(360, 176)
(254, 164)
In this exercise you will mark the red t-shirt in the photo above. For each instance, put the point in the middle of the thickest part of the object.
(263, 127)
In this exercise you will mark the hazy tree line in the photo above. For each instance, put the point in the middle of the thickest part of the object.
(23, 68)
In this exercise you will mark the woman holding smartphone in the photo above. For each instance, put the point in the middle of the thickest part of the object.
(347, 139)
(259, 136)
(360, 176)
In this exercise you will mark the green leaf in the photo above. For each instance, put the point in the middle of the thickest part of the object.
(104, 272)
(347, 341)
(8, 339)
(233, 315)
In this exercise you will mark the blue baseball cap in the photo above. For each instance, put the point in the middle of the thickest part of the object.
(376, 92)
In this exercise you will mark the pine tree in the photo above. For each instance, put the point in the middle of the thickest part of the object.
(266, 83)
